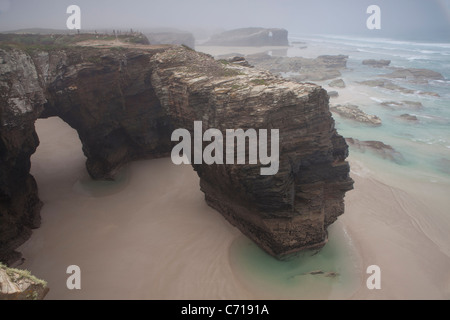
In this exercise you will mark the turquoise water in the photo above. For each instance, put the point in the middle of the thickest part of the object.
(425, 165)
(424, 144)
(330, 273)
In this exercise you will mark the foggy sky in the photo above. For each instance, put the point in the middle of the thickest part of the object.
(400, 18)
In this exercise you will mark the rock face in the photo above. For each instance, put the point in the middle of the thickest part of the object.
(178, 38)
(250, 37)
(125, 105)
(21, 101)
(20, 285)
(376, 63)
(355, 113)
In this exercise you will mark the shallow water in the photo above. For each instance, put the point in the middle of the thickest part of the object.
(335, 269)
(100, 188)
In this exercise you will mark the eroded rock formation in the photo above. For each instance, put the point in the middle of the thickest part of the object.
(125, 103)
(353, 112)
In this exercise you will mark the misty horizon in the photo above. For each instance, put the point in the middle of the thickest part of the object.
(406, 19)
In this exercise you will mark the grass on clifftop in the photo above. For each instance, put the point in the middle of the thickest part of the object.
(259, 82)
(18, 274)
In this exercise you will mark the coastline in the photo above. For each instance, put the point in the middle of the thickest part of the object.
(155, 238)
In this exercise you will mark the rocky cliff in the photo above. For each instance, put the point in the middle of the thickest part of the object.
(125, 104)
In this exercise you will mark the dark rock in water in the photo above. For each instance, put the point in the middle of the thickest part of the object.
(335, 62)
(403, 104)
(250, 37)
(338, 83)
(383, 150)
(18, 284)
(316, 272)
(333, 94)
(178, 38)
(319, 74)
(355, 113)
(428, 93)
(376, 63)
(125, 105)
(389, 85)
(331, 274)
(301, 69)
(415, 74)
(408, 117)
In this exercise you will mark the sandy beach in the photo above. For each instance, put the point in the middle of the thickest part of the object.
(151, 236)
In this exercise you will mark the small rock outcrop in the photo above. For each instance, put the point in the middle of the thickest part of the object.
(376, 63)
(301, 69)
(405, 104)
(415, 74)
(408, 117)
(389, 85)
(338, 83)
(125, 104)
(250, 37)
(18, 284)
(379, 148)
(353, 112)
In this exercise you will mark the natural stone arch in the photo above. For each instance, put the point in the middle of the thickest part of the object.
(125, 103)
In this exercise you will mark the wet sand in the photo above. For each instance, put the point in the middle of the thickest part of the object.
(153, 236)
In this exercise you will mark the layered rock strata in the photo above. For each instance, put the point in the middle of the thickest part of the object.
(125, 104)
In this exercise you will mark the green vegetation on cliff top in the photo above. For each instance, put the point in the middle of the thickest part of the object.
(18, 274)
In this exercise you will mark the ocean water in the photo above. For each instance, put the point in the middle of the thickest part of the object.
(330, 273)
(423, 168)
(424, 144)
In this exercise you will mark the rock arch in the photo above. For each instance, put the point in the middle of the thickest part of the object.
(125, 103)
